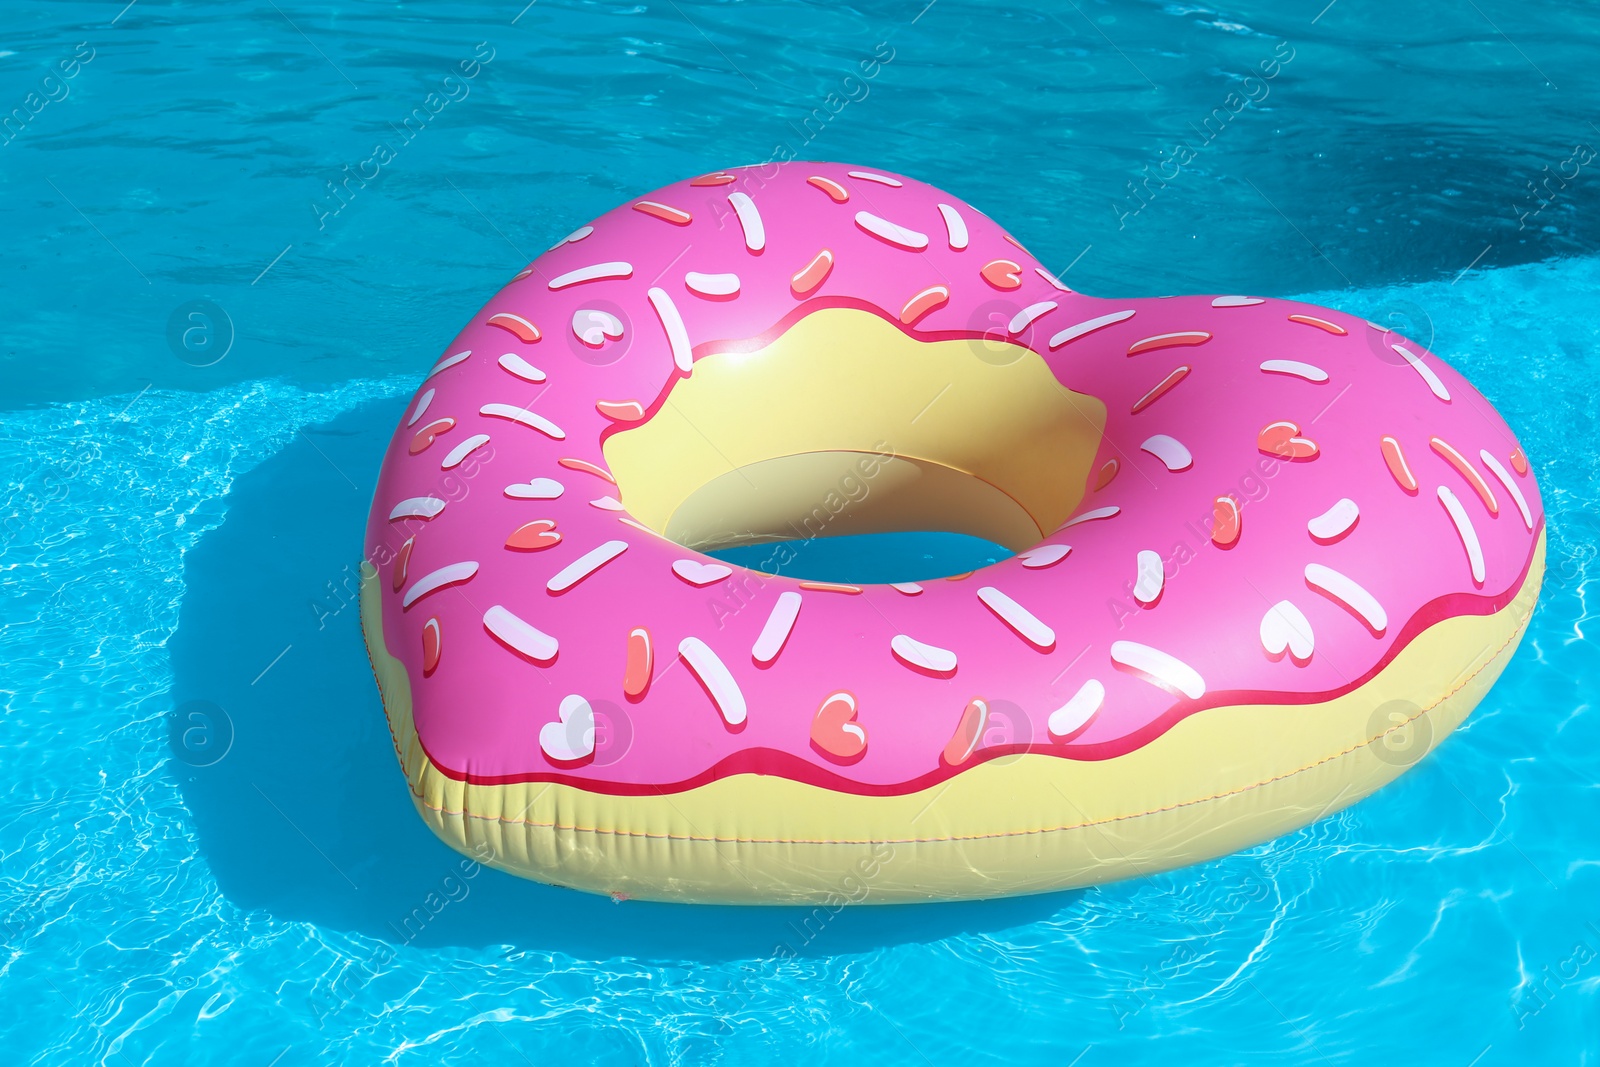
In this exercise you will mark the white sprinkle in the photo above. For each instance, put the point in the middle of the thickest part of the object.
(523, 637)
(955, 226)
(672, 322)
(881, 179)
(463, 450)
(711, 284)
(1024, 622)
(525, 417)
(515, 364)
(593, 273)
(608, 503)
(585, 565)
(1348, 593)
(422, 405)
(1075, 714)
(1167, 671)
(417, 507)
(1088, 326)
(1335, 522)
(1025, 318)
(1052, 279)
(1296, 368)
(447, 362)
(1466, 531)
(571, 736)
(1170, 451)
(1090, 516)
(696, 573)
(576, 235)
(885, 230)
(1044, 556)
(1236, 301)
(537, 489)
(755, 233)
(432, 583)
(908, 588)
(776, 631)
(595, 327)
(917, 654)
(1426, 371)
(1150, 577)
(1511, 486)
(1285, 627)
(714, 674)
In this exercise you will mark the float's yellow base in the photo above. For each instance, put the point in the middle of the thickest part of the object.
(1218, 781)
(972, 436)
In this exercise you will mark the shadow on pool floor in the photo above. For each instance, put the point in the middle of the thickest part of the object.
(307, 814)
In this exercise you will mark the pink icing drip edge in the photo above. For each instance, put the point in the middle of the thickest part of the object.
(768, 761)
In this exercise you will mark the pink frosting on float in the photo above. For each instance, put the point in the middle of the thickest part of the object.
(1080, 639)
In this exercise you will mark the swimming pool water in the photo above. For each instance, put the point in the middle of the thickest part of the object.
(858, 558)
(207, 853)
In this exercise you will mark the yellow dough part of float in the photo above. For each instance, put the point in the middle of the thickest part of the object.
(1218, 781)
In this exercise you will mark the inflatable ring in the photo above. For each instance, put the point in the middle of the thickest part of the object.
(1267, 556)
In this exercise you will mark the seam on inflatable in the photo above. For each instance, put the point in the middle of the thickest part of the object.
(417, 795)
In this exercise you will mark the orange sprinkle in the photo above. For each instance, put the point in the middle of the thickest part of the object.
(636, 674)
(1003, 274)
(533, 536)
(1321, 324)
(1169, 340)
(516, 325)
(1160, 390)
(1108, 471)
(834, 729)
(620, 410)
(934, 296)
(969, 731)
(812, 274)
(1395, 457)
(1283, 439)
(586, 467)
(831, 587)
(1013, 240)
(958, 577)
(664, 212)
(401, 561)
(1466, 470)
(431, 642)
(1519, 462)
(424, 437)
(837, 192)
(1228, 522)
(713, 179)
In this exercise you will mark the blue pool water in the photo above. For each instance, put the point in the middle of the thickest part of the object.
(207, 854)
(896, 557)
